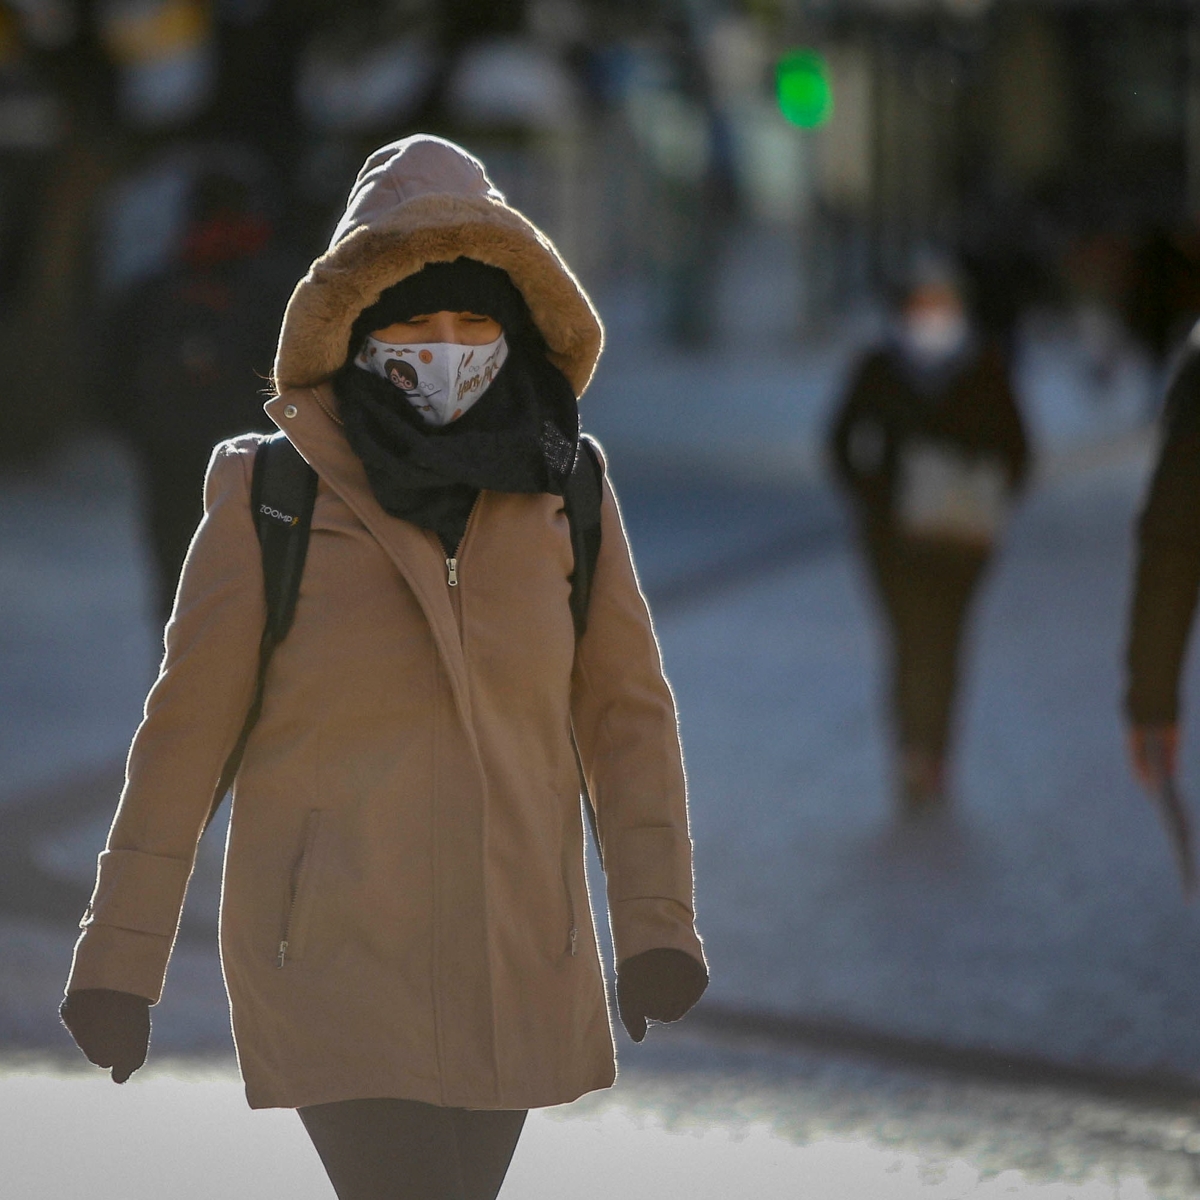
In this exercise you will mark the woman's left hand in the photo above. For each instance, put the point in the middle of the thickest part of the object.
(657, 985)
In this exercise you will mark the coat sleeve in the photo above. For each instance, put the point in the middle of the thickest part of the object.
(628, 737)
(861, 439)
(854, 405)
(193, 716)
(1168, 567)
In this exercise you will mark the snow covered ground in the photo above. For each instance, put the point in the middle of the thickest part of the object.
(689, 1118)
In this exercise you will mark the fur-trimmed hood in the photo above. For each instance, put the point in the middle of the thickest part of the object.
(416, 201)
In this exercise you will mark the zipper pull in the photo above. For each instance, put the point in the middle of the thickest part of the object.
(283, 948)
(574, 939)
(452, 572)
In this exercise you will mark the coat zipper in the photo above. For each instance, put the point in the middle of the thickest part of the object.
(452, 559)
(300, 875)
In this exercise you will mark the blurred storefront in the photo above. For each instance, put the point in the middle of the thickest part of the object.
(1032, 135)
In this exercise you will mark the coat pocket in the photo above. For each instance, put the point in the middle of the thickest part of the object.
(300, 893)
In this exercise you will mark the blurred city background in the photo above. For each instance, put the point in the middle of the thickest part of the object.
(999, 999)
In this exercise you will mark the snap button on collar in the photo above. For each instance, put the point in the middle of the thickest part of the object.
(290, 411)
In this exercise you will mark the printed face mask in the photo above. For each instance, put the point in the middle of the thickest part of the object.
(441, 380)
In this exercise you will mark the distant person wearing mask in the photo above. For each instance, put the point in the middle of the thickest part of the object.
(931, 447)
(1166, 582)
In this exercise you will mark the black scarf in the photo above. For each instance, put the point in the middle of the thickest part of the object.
(520, 436)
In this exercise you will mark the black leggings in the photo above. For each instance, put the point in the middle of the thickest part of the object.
(407, 1150)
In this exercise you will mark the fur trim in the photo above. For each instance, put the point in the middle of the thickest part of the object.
(352, 274)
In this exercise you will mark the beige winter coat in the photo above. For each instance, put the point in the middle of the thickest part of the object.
(404, 910)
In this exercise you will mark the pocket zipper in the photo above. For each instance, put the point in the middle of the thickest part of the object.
(573, 932)
(299, 874)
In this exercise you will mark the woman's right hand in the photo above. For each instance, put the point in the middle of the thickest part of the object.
(111, 1028)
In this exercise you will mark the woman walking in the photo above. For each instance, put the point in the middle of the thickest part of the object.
(405, 931)
(930, 444)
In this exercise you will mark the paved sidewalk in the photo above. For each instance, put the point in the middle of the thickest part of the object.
(1042, 915)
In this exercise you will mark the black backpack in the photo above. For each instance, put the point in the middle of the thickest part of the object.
(283, 491)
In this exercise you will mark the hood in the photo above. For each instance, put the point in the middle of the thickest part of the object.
(416, 201)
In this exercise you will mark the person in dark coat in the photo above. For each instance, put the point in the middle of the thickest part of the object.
(1163, 294)
(930, 445)
(201, 333)
(1167, 580)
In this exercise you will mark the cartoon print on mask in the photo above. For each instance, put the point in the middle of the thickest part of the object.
(403, 375)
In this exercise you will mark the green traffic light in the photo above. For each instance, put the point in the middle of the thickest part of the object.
(803, 89)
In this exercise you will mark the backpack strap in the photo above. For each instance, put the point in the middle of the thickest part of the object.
(283, 491)
(582, 500)
(282, 494)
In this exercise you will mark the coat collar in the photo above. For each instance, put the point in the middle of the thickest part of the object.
(307, 417)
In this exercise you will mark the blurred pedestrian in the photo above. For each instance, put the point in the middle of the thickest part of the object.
(930, 444)
(1166, 581)
(406, 939)
(187, 352)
